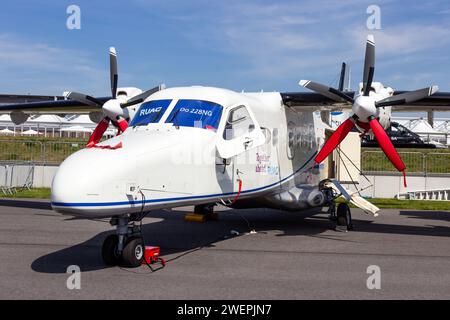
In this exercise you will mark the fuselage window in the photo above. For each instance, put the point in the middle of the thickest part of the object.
(150, 112)
(196, 114)
(238, 123)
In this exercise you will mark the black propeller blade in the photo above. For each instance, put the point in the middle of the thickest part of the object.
(141, 97)
(407, 97)
(326, 91)
(83, 98)
(369, 65)
(113, 71)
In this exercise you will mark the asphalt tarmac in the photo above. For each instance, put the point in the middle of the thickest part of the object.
(292, 256)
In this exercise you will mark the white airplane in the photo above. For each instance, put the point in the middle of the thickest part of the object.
(202, 146)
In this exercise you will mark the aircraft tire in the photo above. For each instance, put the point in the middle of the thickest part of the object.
(133, 252)
(344, 216)
(109, 250)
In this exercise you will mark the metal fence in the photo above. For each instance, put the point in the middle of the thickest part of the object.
(37, 152)
(415, 162)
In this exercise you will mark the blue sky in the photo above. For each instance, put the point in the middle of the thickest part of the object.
(241, 45)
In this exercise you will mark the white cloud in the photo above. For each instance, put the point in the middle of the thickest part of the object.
(407, 38)
(30, 66)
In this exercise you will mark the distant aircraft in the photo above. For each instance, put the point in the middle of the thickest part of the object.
(202, 146)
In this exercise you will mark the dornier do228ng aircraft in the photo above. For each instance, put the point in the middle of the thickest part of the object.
(202, 145)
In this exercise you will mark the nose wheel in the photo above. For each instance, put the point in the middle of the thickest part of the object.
(133, 252)
(126, 248)
(110, 252)
(131, 256)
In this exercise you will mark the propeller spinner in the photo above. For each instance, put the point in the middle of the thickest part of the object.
(364, 108)
(113, 110)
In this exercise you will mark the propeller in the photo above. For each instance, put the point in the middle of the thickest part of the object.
(114, 110)
(365, 107)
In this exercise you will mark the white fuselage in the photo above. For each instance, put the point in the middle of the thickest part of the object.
(163, 164)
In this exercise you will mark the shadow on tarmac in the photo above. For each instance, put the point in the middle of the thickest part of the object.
(175, 236)
(428, 215)
(29, 204)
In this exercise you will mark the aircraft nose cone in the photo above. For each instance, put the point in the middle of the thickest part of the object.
(77, 176)
(82, 179)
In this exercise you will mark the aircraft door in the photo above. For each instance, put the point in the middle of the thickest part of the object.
(241, 133)
(242, 136)
(225, 173)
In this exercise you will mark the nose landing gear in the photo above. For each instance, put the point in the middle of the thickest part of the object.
(126, 247)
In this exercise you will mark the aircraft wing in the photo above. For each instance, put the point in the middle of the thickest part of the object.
(309, 101)
(17, 98)
(56, 106)
(438, 102)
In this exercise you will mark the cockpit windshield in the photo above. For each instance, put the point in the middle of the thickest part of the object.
(196, 113)
(150, 112)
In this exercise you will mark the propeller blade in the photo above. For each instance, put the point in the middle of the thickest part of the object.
(407, 97)
(83, 98)
(98, 132)
(326, 91)
(141, 97)
(113, 71)
(335, 139)
(387, 146)
(342, 95)
(369, 65)
(344, 77)
(122, 124)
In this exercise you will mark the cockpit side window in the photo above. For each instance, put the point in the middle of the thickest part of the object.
(196, 114)
(150, 112)
(238, 123)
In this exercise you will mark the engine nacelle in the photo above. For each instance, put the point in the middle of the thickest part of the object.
(18, 117)
(296, 199)
(384, 115)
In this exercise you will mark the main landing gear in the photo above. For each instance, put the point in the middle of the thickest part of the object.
(339, 215)
(126, 247)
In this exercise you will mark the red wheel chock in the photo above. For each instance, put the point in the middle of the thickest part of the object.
(151, 256)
